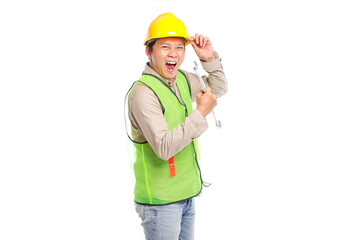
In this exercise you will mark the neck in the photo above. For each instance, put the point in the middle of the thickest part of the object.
(168, 79)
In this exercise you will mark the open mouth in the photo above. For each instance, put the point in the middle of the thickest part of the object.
(170, 66)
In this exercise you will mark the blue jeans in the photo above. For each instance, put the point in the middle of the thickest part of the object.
(169, 222)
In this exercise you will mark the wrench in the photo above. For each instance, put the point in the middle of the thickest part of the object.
(217, 122)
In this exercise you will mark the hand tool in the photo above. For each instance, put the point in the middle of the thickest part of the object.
(217, 122)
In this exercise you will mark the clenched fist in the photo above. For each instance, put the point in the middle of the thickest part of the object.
(206, 102)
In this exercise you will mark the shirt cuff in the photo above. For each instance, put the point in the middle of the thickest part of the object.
(199, 122)
(212, 65)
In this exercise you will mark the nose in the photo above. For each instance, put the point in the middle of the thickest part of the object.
(172, 53)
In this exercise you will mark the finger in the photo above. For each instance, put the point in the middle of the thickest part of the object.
(195, 47)
(201, 40)
(208, 90)
(196, 38)
(206, 40)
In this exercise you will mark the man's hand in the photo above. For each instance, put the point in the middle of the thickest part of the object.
(205, 102)
(202, 47)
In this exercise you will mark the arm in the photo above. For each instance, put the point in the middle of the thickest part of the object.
(147, 119)
(211, 63)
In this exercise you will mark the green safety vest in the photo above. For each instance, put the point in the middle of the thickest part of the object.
(159, 182)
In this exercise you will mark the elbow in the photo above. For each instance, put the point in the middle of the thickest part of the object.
(167, 144)
(222, 91)
(164, 152)
(163, 149)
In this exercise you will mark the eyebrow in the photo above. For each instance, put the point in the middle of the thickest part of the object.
(177, 44)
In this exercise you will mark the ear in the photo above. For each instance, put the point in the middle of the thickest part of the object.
(147, 51)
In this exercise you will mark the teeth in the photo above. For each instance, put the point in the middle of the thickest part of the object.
(171, 62)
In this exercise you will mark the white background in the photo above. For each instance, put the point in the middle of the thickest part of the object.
(285, 165)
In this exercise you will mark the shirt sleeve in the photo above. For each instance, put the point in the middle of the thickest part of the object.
(147, 120)
(216, 79)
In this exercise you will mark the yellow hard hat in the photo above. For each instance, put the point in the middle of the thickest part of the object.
(167, 25)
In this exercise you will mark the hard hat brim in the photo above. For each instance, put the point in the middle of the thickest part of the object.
(187, 39)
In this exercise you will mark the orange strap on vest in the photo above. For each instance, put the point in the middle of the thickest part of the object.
(172, 167)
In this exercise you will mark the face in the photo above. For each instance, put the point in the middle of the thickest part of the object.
(167, 56)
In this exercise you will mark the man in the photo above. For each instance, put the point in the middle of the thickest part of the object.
(165, 128)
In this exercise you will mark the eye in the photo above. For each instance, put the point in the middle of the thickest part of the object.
(180, 47)
(165, 47)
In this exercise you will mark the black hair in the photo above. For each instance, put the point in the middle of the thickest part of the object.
(150, 44)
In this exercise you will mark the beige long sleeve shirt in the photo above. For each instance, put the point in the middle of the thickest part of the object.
(148, 122)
